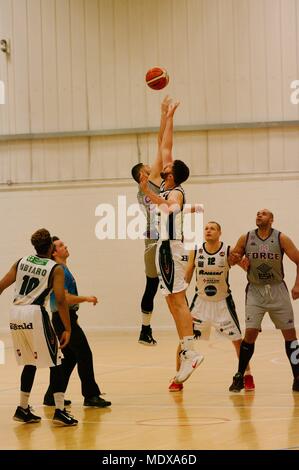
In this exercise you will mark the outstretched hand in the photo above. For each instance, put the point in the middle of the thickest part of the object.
(92, 299)
(171, 108)
(165, 104)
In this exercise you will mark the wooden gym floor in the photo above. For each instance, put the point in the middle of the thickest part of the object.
(144, 415)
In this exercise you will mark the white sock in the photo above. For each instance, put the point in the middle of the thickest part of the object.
(188, 343)
(24, 399)
(59, 400)
(146, 319)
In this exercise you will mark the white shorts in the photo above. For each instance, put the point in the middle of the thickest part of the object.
(221, 315)
(171, 262)
(34, 339)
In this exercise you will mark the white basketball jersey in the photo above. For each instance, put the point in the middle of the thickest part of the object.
(32, 281)
(212, 271)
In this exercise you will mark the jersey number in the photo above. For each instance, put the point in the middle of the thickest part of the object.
(29, 283)
(211, 261)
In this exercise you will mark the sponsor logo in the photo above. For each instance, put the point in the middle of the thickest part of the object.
(210, 291)
(21, 326)
(202, 272)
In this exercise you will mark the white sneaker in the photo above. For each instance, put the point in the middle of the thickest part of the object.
(190, 360)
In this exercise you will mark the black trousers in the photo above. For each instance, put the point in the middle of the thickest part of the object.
(77, 352)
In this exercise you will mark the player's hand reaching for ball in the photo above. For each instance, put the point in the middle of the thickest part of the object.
(171, 108)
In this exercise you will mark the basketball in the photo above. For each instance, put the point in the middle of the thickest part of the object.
(157, 78)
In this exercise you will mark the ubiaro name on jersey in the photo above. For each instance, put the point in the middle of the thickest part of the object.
(32, 269)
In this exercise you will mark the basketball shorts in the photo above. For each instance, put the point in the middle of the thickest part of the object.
(171, 262)
(271, 298)
(150, 257)
(34, 340)
(221, 315)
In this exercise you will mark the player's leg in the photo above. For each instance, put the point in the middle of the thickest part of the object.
(147, 302)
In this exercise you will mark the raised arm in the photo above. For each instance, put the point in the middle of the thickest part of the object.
(293, 253)
(167, 140)
(157, 166)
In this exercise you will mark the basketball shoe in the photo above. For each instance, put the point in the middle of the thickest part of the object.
(24, 415)
(174, 387)
(238, 383)
(63, 418)
(146, 336)
(249, 385)
(190, 360)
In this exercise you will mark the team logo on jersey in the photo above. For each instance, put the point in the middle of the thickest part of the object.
(221, 253)
(264, 248)
(200, 250)
(166, 264)
(210, 291)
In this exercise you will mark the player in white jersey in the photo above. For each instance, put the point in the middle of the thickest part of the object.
(171, 257)
(34, 340)
(213, 304)
(266, 291)
(152, 281)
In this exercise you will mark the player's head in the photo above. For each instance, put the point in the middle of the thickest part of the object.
(176, 172)
(60, 250)
(138, 170)
(264, 218)
(42, 242)
(212, 231)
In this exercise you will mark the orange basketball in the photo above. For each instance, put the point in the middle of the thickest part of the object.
(157, 78)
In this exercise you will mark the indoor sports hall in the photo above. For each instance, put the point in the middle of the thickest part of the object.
(75, 115)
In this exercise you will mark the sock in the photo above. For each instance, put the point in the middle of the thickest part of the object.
(246, 352)
(188, 343)
(292, 350)
(24, 399)
(146, 319)
(59, 400)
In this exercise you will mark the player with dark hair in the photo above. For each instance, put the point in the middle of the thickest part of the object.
(152, 173)
(171, 255)
(34, 340)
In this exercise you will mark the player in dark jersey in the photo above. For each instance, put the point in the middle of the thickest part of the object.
(35, 342)
(266, 291)
(77, 352)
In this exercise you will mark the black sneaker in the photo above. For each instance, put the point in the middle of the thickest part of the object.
(49, 401)
(296, 385)
(24, 415)
(238, 383)
(63, 418)
(96, 402)
(146, 337)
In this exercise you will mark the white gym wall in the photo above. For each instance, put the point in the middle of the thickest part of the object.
(78, 115)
